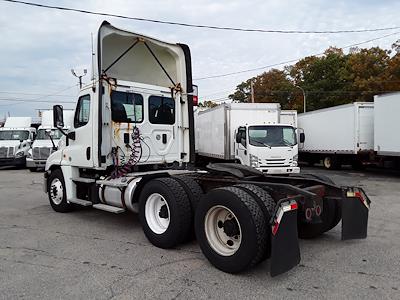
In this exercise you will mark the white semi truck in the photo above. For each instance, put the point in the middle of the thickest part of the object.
(249, 133)
(47, 139)
(132, 149)
(338, 135)
(15, 141)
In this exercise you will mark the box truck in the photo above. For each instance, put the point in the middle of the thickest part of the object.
(386, 126)
(15, 141)
(338, 135)
(249, 133)
(47, 139)
(132, 148)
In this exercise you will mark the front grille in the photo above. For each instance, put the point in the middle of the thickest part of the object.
(41, 152)
(6, 152)
(268, 163)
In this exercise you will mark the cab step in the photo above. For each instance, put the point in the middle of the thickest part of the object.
(80, 201)
(109, 208)
(83, 179)
(112, 183)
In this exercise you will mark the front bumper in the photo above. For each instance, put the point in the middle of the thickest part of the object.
(12, 161)
(35, 163)
(280, 170)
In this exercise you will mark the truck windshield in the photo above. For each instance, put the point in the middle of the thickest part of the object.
(42, 135)
(14, 135)
(272, 136)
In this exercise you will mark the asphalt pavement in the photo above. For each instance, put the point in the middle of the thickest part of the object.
(91, 254)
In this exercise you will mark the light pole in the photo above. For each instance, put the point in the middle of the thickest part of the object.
(79, 76)
(304, 97)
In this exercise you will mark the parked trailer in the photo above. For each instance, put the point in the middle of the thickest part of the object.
(338, 135)
(132, 148)
(47, 139)
(15, 141)
(386, 125)
(249, 133)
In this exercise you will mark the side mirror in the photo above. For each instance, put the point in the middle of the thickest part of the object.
(302, 137)
(238, 137)
(58, 118)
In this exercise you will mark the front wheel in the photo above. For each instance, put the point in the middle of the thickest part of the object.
(231, 229)
(57, 193)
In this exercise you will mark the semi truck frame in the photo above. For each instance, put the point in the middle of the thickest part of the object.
(132, 149)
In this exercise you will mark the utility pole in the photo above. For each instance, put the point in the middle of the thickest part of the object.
(252, 91)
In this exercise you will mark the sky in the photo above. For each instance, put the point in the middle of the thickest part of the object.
(39, 47)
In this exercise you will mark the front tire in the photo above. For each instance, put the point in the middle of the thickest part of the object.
(231, 229)
(165, 212)
(57, 193)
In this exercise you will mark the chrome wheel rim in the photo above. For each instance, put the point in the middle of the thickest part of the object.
(157, 213)
(223, 231)
(56, 191)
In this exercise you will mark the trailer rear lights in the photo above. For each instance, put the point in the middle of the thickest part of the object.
(283, 208)
(358, 194)
(318, 210)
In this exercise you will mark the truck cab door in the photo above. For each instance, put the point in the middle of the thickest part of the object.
(241, 146)
(79, 150)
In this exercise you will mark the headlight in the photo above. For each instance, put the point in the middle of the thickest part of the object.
(296, 157)
(29, 155)
(20, 154)
(253, 161)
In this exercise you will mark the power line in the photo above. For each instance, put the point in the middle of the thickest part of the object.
(34, 94)
(292, 60)
(202, 26)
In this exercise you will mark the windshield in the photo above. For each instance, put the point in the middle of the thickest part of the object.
(43, 135)
(272, 136)
(14, 135)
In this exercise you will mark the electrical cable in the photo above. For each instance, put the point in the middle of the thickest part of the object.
(292, 60)
(225, 28)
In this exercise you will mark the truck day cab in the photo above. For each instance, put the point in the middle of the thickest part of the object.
(132, 148)
(249, 133)
(15, 141)
(47, 139)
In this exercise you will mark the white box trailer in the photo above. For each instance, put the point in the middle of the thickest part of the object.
(387, 125)
(338, 135)
(289, 117)
(264, 142)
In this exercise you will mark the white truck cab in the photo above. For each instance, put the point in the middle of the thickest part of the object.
(132, 148)
(47, 139)
(15, 141)
(272, 149)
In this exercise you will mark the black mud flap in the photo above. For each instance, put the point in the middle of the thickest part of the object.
(355, 209)
(285, 251)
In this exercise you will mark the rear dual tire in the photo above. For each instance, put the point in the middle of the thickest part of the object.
(165, 212)
(231, 228)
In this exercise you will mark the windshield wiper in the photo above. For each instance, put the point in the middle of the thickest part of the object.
(261, 143)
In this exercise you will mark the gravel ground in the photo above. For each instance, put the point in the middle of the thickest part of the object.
(89, 254)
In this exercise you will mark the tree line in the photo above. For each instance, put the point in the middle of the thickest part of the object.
(331, 79)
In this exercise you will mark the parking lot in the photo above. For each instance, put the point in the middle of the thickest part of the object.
(93, 254)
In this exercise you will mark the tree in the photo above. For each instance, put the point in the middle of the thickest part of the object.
(208, 104)
(331, 79)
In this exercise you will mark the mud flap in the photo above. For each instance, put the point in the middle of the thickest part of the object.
(355, 209)
(285, 251)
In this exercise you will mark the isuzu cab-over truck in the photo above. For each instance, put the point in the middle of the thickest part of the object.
(249, 133)
(15, 141)
(47, 139)
(132, 148)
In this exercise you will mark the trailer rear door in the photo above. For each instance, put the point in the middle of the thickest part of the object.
(365, 127)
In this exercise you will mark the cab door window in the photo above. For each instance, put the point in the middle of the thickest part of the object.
(242, 133)
(82, 112)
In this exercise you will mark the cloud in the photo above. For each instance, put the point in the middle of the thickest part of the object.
(40, 46)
